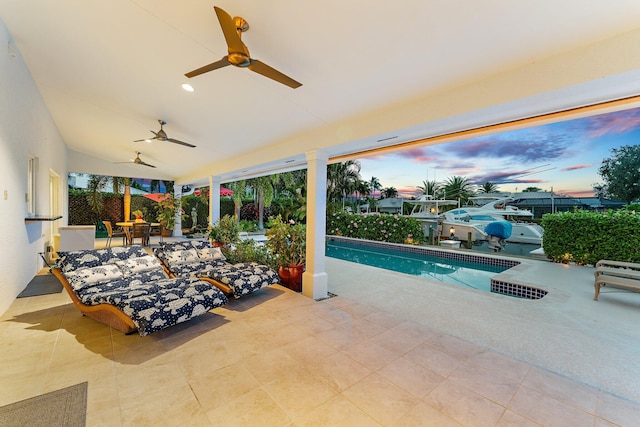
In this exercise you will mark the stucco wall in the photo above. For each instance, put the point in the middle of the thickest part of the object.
(26, 129)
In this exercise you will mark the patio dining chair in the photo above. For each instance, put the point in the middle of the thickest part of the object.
(111, 233)
(142, 231)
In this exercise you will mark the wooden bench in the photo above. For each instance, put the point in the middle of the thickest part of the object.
(625, 275)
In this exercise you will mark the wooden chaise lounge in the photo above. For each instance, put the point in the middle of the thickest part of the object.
(128, 290)
(198, 259)
(619, 274)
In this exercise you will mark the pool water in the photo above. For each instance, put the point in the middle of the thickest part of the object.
(457, 272)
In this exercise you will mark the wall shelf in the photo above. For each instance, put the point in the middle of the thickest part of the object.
(42, 218)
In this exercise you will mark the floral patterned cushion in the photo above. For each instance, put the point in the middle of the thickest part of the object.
(74, 260)
(136, 265)
(156, 305)
(181, 257)
(200, 244)
(210, 254)
(136, 283)
(243, 278)
(92, 276)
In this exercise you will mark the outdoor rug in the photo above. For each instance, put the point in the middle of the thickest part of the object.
(42, 284)
(66, 407)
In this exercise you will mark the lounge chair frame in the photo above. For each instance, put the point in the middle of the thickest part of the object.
(103, 313)
(625, 275)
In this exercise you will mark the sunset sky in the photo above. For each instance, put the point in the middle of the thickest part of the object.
(564, 155)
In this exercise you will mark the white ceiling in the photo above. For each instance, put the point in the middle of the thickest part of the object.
(108, 70)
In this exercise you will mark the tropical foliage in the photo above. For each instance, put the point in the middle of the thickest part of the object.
(287, 242)
(488, 187)
(586, 237)
(430, 188)
(380, 227)
(225, 231)
(458, 187)
(621, 175)
(168, 209)
(388, 193)
(342, 180)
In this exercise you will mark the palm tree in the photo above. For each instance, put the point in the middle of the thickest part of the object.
(458, 187)
(374, 184)
(488, 187)
(430, 188)
(342, 179)
(155, 185)
(363, 189)
(238, 188)
(97, 183)
(389, 193)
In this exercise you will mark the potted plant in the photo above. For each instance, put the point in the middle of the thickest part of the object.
(139, 216)
(167, 210)
(287, 242)
(224, 232)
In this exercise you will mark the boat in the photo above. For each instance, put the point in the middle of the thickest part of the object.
(498, 209)
(429, 210)
(438, 222)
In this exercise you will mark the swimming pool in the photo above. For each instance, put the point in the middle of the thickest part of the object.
(458, 268)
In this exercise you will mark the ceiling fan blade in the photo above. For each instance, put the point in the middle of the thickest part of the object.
(145, 164)
(213, 66)
(267, 71)
(176, 141)
(234, 42)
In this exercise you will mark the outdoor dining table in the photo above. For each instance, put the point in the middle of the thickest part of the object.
(128, 225)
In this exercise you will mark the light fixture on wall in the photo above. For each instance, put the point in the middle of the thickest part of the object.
(452, 232)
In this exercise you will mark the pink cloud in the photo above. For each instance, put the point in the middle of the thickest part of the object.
(615, 123)
(576, 167)
(417, 155)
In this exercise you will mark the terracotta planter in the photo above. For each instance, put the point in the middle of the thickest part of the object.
(291, 276)
(216, 244)
(167, 232)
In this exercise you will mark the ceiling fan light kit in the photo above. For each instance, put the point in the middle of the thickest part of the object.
(138, 161)
(238, 53)
(161, 135)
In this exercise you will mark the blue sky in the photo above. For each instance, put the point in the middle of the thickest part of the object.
(564, 155)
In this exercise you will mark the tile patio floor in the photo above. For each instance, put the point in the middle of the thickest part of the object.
(277, 358)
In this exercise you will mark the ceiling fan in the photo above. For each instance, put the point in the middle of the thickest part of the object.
(239, 53)
(138, 161)
(161, 135)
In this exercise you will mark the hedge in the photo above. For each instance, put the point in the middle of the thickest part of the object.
(587, 237)
(380, 227)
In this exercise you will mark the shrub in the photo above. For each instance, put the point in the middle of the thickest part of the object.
(249, 250)
(380, 227)
(587, 237)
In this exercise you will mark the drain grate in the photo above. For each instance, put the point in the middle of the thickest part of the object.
(515, 290)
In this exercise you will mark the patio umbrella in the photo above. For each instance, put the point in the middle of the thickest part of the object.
(223, 192)
(156, 197)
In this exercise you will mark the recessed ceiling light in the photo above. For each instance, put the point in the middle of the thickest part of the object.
(187, 87)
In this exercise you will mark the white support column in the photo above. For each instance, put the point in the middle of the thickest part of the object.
(314, 279)
(177, 229)
(214, 199)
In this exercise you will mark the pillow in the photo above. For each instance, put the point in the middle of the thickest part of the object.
(139, 264)
(92, 276)
(210, 254)
(200, 244)
(182, 257)
(175, 246)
